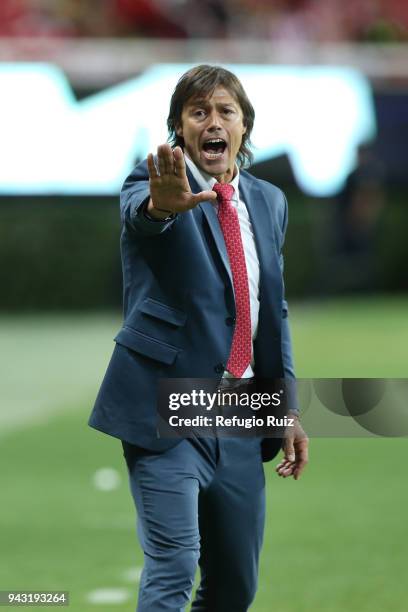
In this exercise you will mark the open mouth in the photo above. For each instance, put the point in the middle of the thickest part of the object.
(214, 148)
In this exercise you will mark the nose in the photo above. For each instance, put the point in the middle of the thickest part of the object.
(214, 122)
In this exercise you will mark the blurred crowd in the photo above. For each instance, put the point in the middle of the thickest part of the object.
(277, 20)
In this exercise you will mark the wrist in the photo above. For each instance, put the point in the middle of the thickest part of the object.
(157, 213)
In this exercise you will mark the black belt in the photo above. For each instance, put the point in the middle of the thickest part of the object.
(232, 384)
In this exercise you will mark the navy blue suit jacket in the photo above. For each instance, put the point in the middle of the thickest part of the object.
(178, 305)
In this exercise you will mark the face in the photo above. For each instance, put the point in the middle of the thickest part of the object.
(212, 129)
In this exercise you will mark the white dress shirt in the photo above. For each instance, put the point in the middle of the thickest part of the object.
(206, 183)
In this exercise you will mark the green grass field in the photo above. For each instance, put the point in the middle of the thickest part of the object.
(336, 541)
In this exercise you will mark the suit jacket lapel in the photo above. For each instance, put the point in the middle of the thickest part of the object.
(261, 222)
(265, 238)
(212, 220)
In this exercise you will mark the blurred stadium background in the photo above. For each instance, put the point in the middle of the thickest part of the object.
(335, 541)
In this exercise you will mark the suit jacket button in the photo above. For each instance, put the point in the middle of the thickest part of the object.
(230, 321)
(219, 368)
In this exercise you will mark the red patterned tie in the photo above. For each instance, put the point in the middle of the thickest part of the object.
(240, 355)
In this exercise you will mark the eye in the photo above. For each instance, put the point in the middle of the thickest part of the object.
(228, 111)
(199, 113)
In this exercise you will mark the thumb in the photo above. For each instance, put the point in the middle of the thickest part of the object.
(204, 196)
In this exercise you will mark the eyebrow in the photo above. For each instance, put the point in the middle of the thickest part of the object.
(197, 101)
(204, 102)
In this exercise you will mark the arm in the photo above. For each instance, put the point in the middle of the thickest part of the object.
(286, 343)
(296, 442)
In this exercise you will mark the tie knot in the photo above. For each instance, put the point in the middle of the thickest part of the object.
(224, 192)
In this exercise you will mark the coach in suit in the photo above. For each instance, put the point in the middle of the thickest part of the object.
(203, 298)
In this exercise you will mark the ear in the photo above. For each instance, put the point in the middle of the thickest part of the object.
(244, 129)
(179, 130)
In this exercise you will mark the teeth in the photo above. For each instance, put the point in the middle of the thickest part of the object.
(214, 140)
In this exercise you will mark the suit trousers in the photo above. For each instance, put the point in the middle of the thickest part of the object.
(201, 502)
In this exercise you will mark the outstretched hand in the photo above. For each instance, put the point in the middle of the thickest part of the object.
(296, 452)
(170, 190)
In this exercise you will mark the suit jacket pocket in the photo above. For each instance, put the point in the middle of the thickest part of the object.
(161, 311)
(146, 345)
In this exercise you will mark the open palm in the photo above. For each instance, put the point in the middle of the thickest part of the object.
(170, 190)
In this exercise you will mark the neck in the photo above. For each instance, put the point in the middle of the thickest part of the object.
(227, 176)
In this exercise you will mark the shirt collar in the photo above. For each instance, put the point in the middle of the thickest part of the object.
(206, 182)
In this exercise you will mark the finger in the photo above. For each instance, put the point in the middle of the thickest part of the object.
(301, 464)
(283, 463)
(179, 163)
(285, 466)
(302, 450)
(289, 449)
(284, 460)
(151, 167)
(167, 160)
(298, 470)
(288, 471)
(302, 458)
(161, 160)
(204, 196)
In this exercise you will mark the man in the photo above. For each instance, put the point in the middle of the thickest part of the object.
(203, 298)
